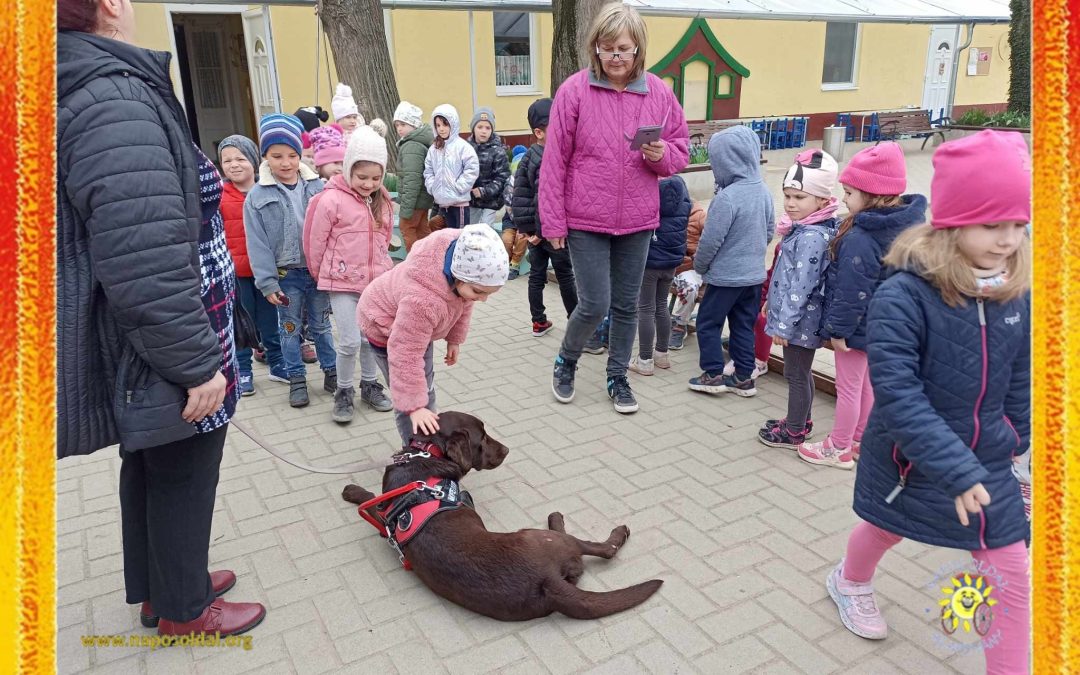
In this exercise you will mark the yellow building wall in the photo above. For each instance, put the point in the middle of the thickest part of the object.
(430, 52)
(992, 88)
(152, 32)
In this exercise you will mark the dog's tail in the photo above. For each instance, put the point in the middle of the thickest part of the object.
(579, 604)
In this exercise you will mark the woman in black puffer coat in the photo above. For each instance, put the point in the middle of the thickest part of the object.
(145, 354)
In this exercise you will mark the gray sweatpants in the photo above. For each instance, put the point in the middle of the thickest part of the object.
(351, 342)
(653, 318)
(798, 367)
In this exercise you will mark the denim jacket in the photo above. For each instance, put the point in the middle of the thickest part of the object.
(274, 238)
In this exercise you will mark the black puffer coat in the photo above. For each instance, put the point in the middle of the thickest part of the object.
(527, 191)
(494, 173)
(132, 333)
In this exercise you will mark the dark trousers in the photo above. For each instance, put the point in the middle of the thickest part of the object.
(265, 317)
(166, 507)
(539, 256)
(608, 270)
(456, 217)
(738, 306)
(653, 318)
(798, 371)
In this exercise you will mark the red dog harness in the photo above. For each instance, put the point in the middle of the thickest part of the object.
(405, 510)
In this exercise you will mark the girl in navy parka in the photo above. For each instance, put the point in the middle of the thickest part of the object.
(948, 342)
(873, 183)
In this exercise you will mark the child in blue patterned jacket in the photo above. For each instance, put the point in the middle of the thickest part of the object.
(794, 309)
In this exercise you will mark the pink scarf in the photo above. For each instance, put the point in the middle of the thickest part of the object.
(785, 224)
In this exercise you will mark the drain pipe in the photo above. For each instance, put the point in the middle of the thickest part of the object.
(956, 69)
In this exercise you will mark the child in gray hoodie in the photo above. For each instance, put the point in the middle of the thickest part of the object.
(731, 259)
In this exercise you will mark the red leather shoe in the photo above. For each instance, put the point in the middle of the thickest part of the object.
(222, 580)
(225, 618)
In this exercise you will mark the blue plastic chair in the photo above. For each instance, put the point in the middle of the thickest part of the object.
(798, 133)
(779, 135)
(760, 127)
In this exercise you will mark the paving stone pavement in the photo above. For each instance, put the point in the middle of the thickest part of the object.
(742, 535)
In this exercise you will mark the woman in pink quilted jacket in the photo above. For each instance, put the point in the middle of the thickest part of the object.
(599, 196)
(429, 297)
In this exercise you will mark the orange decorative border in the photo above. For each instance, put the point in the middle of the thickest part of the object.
(27, 356)
(1055, 411)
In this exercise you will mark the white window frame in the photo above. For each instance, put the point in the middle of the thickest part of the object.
(534, 61)
(854, 83)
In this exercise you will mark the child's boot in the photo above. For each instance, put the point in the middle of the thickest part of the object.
(329, 383)
(678, 337)
(298, 396)
(781, 436)
(372, 393)
(827, 454)
(343, 405)
(857, 605)
(641, 366)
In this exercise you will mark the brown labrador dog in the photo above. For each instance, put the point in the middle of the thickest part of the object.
(511, 576)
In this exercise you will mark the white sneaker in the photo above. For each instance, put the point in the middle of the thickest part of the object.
(661, 360)
(641, 366)
(729, 368)
(760, 368)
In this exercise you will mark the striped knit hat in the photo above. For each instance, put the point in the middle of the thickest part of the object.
(279, 129)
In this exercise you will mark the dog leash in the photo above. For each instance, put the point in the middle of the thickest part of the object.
(267, 446)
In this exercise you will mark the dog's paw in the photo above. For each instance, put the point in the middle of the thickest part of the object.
(354, 494)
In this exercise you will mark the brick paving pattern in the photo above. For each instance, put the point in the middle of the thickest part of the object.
(742, 535)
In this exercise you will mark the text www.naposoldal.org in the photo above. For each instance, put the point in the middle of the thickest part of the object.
(155, 641)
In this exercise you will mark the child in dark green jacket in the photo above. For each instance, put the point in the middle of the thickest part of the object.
(414, 139)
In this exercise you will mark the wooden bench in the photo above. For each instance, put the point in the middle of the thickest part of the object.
(893, 126)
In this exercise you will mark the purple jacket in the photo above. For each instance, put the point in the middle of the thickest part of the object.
(590, 178)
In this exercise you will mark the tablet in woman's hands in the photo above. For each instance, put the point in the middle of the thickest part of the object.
(645, 135)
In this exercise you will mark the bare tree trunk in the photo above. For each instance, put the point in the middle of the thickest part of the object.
(571, 19)
(358, 39)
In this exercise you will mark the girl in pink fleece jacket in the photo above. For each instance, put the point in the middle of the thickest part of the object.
(346, 236)
(429, 297)
(600, 197)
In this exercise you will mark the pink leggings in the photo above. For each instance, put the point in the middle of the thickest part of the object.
(854, 397)
(1006, 568)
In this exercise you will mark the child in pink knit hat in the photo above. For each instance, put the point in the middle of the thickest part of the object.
(873, 183)
(949, 344)
(328, 144)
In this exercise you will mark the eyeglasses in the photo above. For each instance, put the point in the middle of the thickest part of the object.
(616, 56)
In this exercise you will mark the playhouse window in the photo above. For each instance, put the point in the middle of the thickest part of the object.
(841, 52)
(724, 85)
(515, 53)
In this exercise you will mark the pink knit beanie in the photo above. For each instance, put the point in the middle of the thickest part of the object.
(980, 179)
(877, 170)
(328, 143)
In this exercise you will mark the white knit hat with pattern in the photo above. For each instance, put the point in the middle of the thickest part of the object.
(480, 257)
(409, 114)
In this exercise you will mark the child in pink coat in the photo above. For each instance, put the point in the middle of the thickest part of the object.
(346, 235)
(429, 297)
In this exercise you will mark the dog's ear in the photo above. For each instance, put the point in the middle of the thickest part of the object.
(460, 450)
